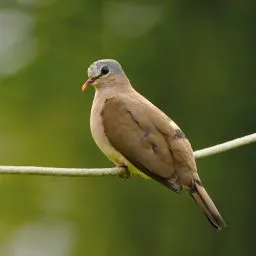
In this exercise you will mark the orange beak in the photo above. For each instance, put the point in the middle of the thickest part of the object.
(88, 83)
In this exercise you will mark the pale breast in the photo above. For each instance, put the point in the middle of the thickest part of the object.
(97, 130)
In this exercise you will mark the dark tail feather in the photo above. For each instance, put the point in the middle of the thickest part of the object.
(202, 198)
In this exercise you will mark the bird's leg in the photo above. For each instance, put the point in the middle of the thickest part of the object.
(125, 173)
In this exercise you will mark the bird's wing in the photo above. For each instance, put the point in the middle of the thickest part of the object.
(146, 137)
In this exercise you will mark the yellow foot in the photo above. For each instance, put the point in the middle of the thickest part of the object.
(125, 174)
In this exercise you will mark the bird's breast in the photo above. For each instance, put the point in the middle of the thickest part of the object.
(98, 133)
(99, 136)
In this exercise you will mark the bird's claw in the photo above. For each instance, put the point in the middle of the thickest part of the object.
(125, 173)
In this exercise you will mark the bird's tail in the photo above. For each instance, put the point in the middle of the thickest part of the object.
(202, 198)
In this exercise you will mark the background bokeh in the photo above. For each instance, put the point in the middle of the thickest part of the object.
(193, 59)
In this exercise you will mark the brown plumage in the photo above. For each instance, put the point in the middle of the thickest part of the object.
(133, 132)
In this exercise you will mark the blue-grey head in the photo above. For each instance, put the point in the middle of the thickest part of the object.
(104, 73)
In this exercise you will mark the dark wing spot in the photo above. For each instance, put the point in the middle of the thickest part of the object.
(179, 134)
(145, 135)
(154, 148)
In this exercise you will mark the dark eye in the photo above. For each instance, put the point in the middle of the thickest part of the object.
(104, 70)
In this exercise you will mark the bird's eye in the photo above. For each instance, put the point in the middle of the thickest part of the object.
(104, 70)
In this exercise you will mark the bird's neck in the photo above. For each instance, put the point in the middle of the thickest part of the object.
(110, 91)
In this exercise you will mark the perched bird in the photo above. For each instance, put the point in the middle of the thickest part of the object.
(136, 135)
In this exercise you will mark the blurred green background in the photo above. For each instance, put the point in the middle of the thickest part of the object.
(193, 59)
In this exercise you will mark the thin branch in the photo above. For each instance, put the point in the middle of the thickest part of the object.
(225, 146)
(52, 171)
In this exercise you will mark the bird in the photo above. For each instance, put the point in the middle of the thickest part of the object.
(137, 136)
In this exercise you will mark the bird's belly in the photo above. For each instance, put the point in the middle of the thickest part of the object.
(103, 143)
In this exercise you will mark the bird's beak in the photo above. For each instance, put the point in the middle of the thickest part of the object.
(88, 83)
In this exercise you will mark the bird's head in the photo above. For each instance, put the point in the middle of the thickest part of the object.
(104, 73)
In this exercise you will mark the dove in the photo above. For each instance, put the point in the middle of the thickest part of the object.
(136, 135)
